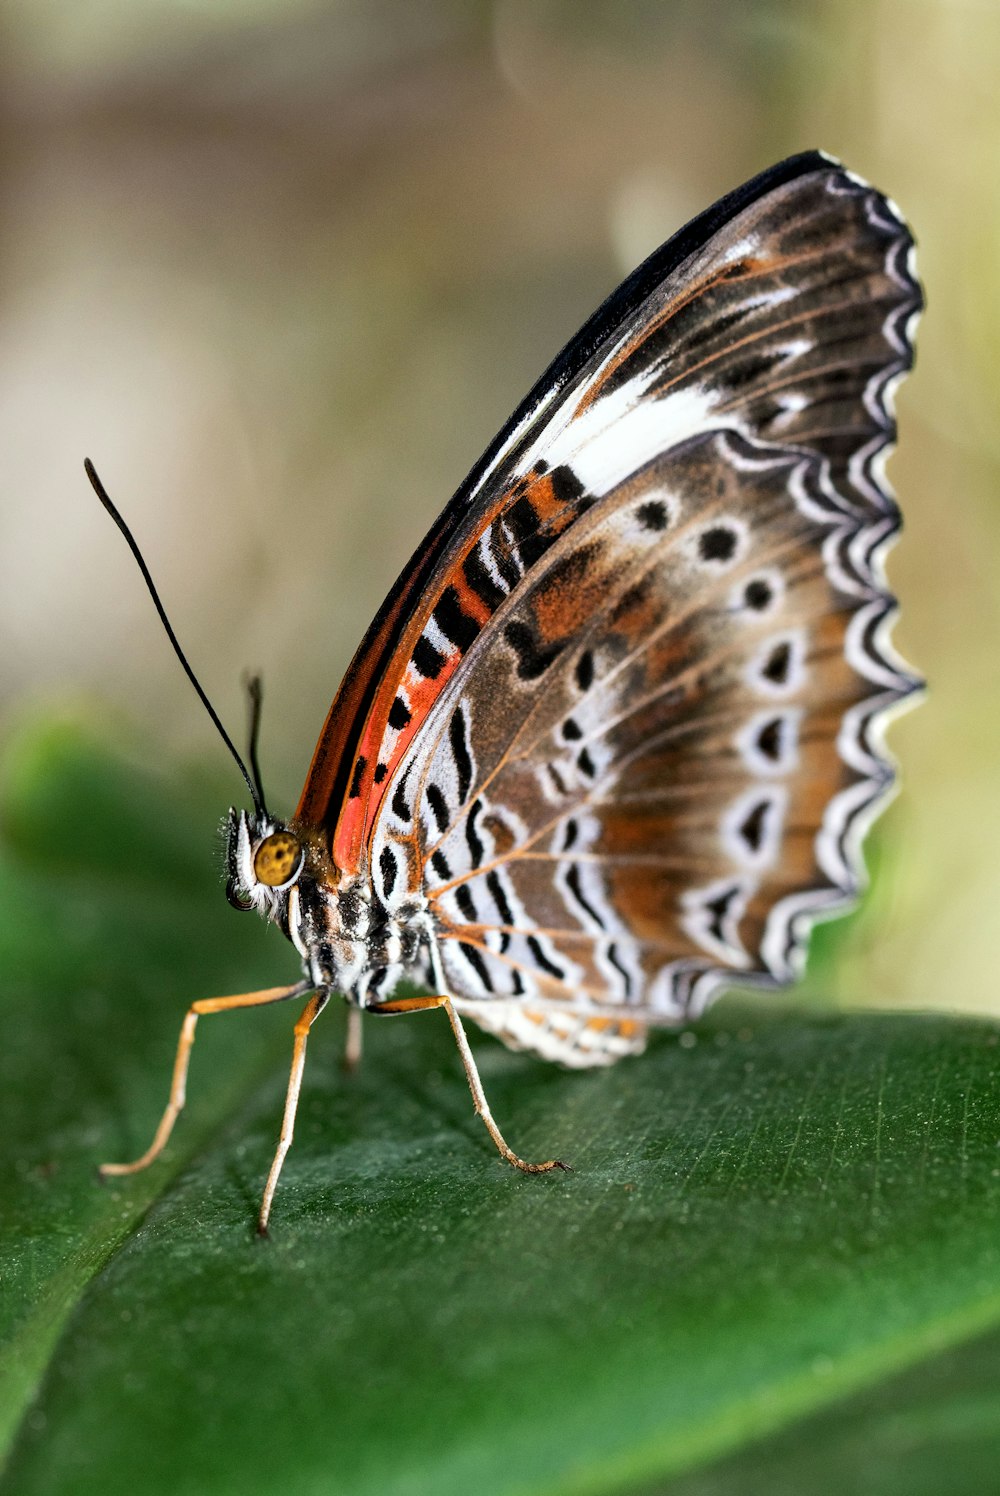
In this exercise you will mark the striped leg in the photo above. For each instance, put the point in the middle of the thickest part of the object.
(179, 1080)
(310, 1013)
(419, 1005)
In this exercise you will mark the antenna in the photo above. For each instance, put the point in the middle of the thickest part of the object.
(101, 492)
(255, 692)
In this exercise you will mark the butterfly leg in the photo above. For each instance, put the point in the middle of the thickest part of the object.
(309, 1014)
(179, 1080)
(419, 1005)
(482, 1106)
(352, 1044)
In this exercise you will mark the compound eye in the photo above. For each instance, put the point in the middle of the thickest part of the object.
(277, 860)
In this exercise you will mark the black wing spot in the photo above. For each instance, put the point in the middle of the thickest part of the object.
(750, 368)
(585, 763)
(460, 753)
(653, 515)
(778, 664)
(752, 829)
(478, 965)
(458, 628)
(400, 715)
(585, 670)
(506, 563)
(718, 543)
(566, 486)
(557, 779)
(532, 541)
(521, 517)
(427, 659)
(499, 896)
(542, 960)
(356, 778)
(758, 594)
(718, 908)
(439, 863)
(533, 657)
(381, 770)
(625, 974)
(466, 903)
(576, 889)
(400, 804)
(573, 569)
(478, 577)
(635, 598)
(472, 837)
(439, 807)
(571, 730)
(570, 833)
(771, 739)
(389, 869)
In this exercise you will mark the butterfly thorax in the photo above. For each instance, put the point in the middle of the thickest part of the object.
(349, 939)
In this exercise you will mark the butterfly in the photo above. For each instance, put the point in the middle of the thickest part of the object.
(613, 740)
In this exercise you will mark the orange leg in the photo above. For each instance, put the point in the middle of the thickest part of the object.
(179, 1081)
(421, 1004)
(310, 1013)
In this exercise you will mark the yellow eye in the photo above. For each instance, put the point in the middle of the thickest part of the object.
(277, 859)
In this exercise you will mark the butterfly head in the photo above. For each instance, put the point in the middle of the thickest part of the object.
(264, 859)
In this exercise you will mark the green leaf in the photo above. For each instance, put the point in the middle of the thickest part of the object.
(785, 1212)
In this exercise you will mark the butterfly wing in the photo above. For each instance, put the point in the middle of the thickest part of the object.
(620, 721)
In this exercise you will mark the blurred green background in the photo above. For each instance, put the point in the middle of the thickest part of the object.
(282, 269)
